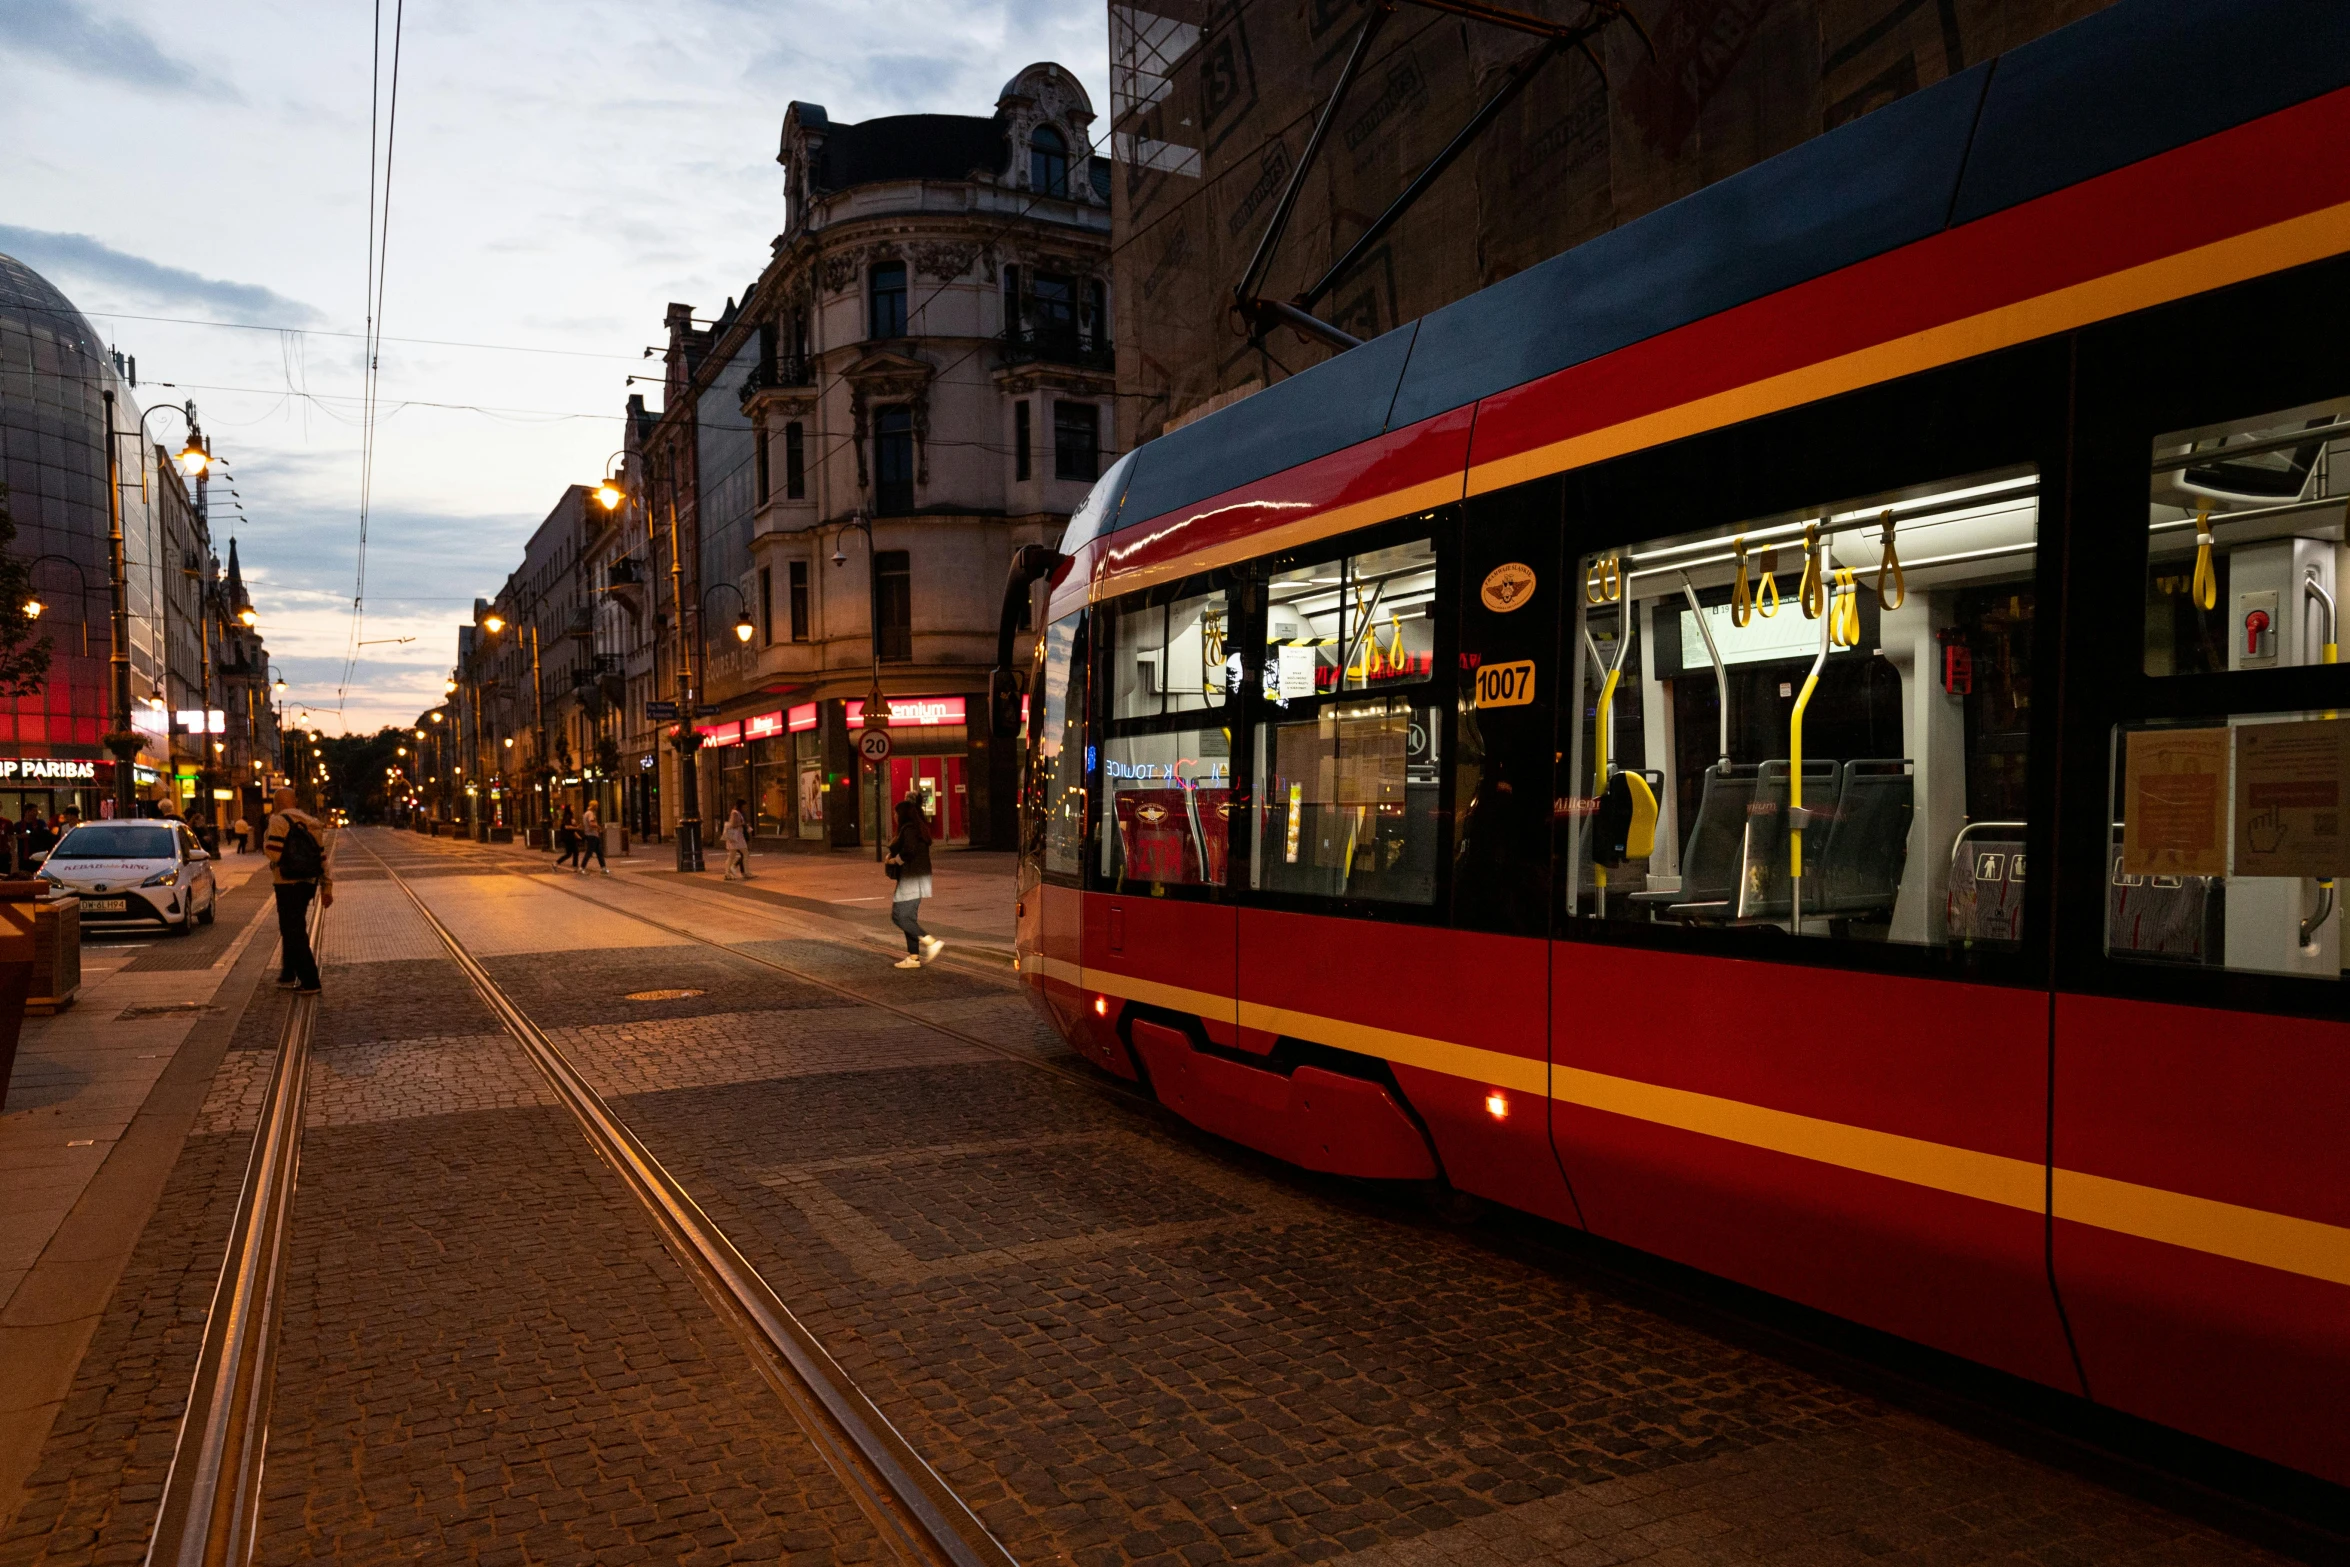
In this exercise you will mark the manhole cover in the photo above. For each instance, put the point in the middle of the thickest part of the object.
(660, 995)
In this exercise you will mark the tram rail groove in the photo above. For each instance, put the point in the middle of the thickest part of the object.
(914, 1510)
(210, 1512)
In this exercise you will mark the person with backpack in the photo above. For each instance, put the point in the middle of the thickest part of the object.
(909, 864)
(295, 843)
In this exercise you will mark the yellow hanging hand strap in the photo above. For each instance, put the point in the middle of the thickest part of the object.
(1395, 649)
(1741, 601)
(1766, 592)
(1844, 610)
(1888, 560)
(1813, 592)
(1603, 581)
(2206, 584)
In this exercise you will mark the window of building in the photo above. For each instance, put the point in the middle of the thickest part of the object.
(1048, 162)
(1052, 307)
(1077, 441)
(1094, 323)
(767, 605)
(1814, 723)
(799, 600)
(893, 460)
(888, 293)
(1011, 301)
(795, 463)
(893, 604)
(1021, 465)
(759, 468)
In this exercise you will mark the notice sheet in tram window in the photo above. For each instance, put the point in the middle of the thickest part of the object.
(2176, 820)
(2289, 795)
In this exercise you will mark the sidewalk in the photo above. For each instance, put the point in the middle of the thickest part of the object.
(98, 1106)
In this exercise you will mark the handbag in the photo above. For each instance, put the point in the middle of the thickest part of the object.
(894, 866)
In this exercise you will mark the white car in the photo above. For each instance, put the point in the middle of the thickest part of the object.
(135, 872)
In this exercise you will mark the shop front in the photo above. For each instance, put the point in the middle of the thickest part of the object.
(929, 738)
(55, 786)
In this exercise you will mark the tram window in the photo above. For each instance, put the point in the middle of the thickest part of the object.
(2229, 839)
(1811, 723)
(1348, 802)
(1169, 658)
(1166, 800)
(2244, 542)
(1057, 773)
(1357, 623)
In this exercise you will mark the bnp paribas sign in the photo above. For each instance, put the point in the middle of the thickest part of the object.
(47, 769)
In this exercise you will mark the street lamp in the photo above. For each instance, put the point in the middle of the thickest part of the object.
(193, 459)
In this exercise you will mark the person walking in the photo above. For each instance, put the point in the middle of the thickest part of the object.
(295, 842)
(909, 862)
(566, 840)
(244, 831)
(591, 840)
(737, 838)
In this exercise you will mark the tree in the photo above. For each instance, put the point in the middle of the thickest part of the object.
(24, 662)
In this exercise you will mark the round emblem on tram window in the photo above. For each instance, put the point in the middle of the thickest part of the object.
(1153, 814)
(1507, 586)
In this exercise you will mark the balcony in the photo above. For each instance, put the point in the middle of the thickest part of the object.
(1057, 343)
(788, 373)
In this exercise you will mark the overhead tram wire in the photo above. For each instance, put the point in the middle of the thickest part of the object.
(379, 241)
(307, 331)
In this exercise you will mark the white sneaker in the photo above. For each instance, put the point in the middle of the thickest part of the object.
(931, 948)
(908, 961)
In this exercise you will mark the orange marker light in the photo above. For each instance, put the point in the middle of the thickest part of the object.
(1497, 1105)
(1101, 1006)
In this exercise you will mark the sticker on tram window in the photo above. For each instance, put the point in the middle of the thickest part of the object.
(1505, 685)
(1507, 587)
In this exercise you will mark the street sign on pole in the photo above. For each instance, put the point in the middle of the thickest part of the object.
(874, 745)
(660, 712)
(706, 710)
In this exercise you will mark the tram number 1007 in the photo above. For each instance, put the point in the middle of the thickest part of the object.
(1506, 685)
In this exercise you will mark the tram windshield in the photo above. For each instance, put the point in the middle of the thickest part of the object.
(2228, 828)
(1813, 723)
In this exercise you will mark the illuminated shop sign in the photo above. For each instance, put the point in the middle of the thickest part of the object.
(760, 727)
(200, 720)
(47, 769)
(801, 719)
(716, 735)
(914, 712)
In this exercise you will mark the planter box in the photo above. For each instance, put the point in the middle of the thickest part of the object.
(501, 835)
(45, 934)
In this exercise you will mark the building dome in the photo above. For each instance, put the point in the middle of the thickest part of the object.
(54, 373)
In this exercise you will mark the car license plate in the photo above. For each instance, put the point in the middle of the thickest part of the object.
(104, 905)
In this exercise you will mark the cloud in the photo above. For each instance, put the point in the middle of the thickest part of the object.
(66, 32)
(84, 257)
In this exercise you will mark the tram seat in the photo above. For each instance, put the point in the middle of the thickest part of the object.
(1765, 890)
(2176, 919)
(1867, 845)
(1710, 858)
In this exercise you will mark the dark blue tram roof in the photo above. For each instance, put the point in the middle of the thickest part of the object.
(2133, 81)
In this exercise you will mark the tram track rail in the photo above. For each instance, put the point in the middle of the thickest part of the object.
(917, 1514)
(210, 1510)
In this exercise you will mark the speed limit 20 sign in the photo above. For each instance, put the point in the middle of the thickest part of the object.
(873, 745)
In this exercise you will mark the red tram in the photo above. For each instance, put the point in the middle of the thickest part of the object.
(1588, 745)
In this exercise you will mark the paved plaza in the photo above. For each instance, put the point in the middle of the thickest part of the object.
(1118, 1341)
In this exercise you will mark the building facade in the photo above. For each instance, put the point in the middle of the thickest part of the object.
(918, 382)
(201, 697)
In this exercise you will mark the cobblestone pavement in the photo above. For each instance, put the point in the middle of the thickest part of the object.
(1120, 1341)
(1123, 1342)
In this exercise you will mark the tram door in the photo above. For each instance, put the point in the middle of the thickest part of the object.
(2201, 1233)
(1053, 820)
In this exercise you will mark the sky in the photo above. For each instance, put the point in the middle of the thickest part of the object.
(560, 171)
